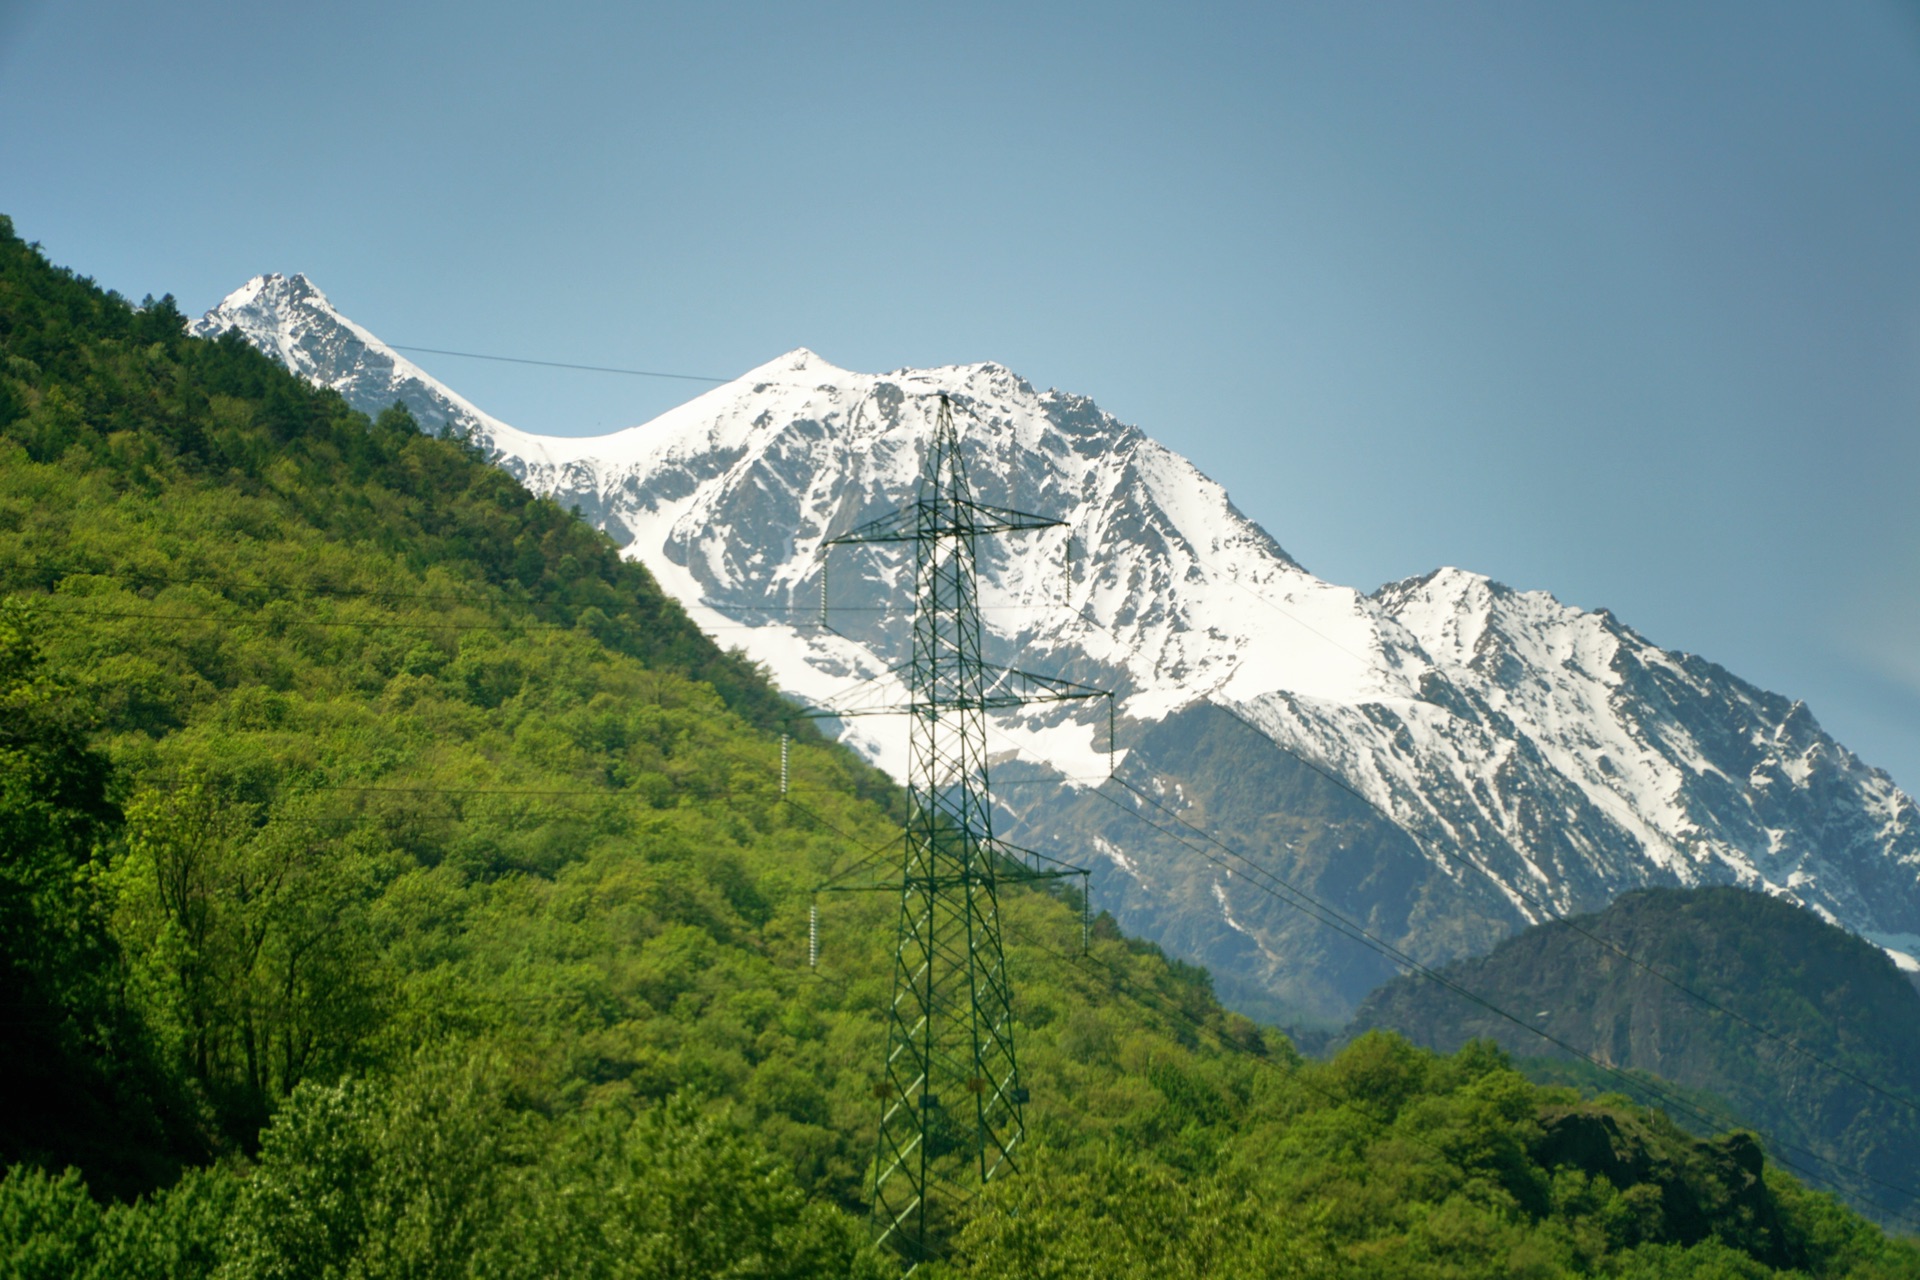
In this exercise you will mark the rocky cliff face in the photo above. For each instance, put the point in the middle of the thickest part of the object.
(1815, 1038)
(1445, 759)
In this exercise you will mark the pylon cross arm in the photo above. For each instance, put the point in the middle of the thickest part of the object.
(953, 519)
(1000, 689)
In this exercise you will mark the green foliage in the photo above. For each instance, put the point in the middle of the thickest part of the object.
(435, 1173)
(50, 1227)
(389, 852)
(63, 1012)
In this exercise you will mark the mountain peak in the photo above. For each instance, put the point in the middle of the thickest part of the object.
(289, 318)
(783, 367)
(273, 288)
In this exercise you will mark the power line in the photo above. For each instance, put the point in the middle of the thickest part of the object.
(1554, 915)
(1235, 582)
(1319, 911)
(860, 608)
(557, 364)
(871, 852)
(1547, 909)
(230, 587)
(1331, 917)
(1118, 984)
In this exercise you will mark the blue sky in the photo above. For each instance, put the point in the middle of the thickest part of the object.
(1617, 300)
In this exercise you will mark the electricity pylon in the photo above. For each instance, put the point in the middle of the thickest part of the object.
(951, 1100)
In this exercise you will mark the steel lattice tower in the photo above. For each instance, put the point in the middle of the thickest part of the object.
(950, 1093)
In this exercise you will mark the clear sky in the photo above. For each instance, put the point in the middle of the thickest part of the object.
(1618, 300)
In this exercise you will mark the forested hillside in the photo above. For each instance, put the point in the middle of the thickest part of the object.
(1801, 1027)
(392, 883)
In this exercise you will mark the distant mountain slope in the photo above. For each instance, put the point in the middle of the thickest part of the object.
(1446, 758)
(1819, 991)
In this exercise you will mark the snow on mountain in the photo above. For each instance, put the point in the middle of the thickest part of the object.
(1445, 759)
(291, 320)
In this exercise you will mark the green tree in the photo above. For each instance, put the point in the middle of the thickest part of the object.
(76, 1076)
(250, 932)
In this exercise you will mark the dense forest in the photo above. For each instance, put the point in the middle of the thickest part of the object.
(394, 883)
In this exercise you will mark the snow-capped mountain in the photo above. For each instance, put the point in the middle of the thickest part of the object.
(292, 321)
(1444, 759)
